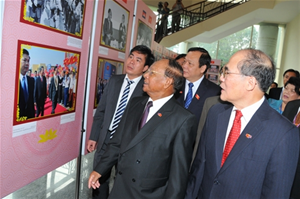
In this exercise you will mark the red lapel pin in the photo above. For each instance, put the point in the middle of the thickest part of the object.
(197, 96)
(159, 114)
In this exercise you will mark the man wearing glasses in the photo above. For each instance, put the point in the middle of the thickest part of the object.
(246, 150)
(153, 144)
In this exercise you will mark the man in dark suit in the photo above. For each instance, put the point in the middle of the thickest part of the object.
(53, 89)
(26, 89)
(139, 60)
(108, 28)
(291, 111)
(197, 61)
(40, 92)
(275, 93)
(153, 149)
(247, 150)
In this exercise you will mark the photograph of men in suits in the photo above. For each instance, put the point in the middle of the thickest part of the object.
(153, 144)
(107, 116)
(108, 28)
(247, 150)
(292, 112)
(40, 92)
(196, 87)
(276, 93)
(26, 89)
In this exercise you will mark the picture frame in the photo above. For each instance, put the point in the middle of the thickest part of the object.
(114, 30)
(105, 69)
(52, 90)
(144, 34)
(61, 16)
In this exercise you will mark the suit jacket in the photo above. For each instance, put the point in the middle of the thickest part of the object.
(261, 164)
(152, 163)
(106, 109)
(27, 109)
(275, 93)
(209, 102)
(290, 112)
(40, 90)
(206, 89)
(107, 30)
(53, 89)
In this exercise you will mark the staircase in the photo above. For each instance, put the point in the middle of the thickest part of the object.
(195, 14)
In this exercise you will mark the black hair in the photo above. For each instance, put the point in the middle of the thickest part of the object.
(292, 71)
(296, 82)
(145, 51)
(204, 59)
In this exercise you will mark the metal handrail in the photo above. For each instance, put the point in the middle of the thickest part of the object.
(194, 14)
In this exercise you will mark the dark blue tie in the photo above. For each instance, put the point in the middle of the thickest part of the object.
(189, 96)
(25, 88)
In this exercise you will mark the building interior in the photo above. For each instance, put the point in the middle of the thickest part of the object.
(279, 22)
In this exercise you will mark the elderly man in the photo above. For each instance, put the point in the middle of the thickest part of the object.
(154, 142)
(246, 150)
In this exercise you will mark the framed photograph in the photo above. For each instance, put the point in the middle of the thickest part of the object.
(114, 26)
(144, 35)
(64, 16)
(106, 68)
(46, 82)
(213, 69)
(213, 78)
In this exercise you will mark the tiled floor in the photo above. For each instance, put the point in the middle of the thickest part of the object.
(59, 184)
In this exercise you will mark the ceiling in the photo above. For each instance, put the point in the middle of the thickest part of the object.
(268, 11)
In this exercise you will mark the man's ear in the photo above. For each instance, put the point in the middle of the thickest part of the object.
(251, 83)
(145, 68)
(203, 68)
(169, 82)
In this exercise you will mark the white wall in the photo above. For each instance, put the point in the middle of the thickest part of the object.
(291, 48)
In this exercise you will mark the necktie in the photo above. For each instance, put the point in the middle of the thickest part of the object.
(297, 119)
(25, 88)
(233, 135)
(189, 96)
(145, 114)
(121, 108)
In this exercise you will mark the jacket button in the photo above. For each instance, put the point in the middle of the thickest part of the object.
(138, 161)
(216, 182)
(120, 173)
(133, 180)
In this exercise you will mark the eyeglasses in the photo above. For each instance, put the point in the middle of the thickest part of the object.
(224, 71)
(152, 72)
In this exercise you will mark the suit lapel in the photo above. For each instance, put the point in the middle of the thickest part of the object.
(156, 120)
(138, 89)
(223, 119)
(249, 134)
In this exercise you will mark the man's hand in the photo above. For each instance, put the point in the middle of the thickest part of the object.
(93, 180)
(91, 145)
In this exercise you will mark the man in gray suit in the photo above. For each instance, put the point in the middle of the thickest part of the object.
(153, 144)
(107, 115)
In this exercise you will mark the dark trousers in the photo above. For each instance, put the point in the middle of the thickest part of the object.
(40, 108)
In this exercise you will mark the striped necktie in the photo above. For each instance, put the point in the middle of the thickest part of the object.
(189, 96)
(121, 108)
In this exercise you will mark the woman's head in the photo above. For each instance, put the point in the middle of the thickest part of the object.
(291, 90)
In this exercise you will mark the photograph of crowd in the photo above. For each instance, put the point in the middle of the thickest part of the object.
(144, 35)
(59, 15)
(114, 26)
(46, 82)
(106, 68)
